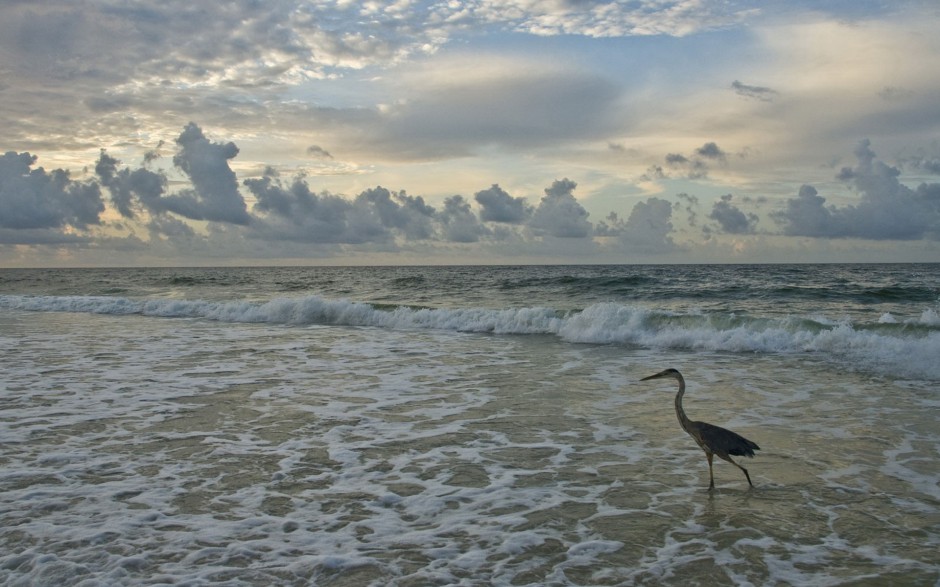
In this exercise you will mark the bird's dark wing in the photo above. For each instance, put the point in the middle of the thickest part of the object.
(721, 440)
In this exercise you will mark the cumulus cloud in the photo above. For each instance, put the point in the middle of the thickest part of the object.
(460, 224)
(887, 209)
(408, 214)
(131, 188)
(731, 219)
(498, 206)
(559, 214)
(215, 196)
(289, 216)
(295, 213)
(37, 199)
(647, 230)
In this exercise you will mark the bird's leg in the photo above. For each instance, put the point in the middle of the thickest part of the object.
(746, 475)
(743, 469)
(711, 475)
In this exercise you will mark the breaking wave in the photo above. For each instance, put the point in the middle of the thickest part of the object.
(906, 349)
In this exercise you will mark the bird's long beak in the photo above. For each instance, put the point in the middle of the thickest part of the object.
(656, 376)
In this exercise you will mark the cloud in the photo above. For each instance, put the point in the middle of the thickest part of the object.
(711, 151)
(289, 219)
(690, 204)
(318, 152)
(408, 214)
(498, 206)
(696, 165)
(731, 219)
(460, 224)
(929, 164)
(295, 213)
(761, 93)
(128, 187)
(559, 214)
(455, 106)
(215, 196)
(887, 209)
(37, 199)
(693, 168)
(602, 18)
(647, 230)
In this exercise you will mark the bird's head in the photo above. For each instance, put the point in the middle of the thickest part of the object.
(668, 373)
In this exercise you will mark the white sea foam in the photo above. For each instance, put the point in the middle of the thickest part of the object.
(200, 452)
(889, 347)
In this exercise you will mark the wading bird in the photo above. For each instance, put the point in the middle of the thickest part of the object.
(714, 440)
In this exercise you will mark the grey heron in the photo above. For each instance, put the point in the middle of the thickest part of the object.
(714, 440)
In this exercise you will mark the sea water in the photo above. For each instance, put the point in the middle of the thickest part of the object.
(468, 425)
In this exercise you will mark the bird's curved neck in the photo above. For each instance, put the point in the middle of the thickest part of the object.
(680, 413)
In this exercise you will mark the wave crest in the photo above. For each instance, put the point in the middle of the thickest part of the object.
(893, 348)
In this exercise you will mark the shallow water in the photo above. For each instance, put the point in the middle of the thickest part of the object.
(145, 450)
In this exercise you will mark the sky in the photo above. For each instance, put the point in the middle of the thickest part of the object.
(166, 133)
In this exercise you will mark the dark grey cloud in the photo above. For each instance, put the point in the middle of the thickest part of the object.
(693, 166)
(295, 213)
(808, 215)
(318, 152)
(653, 173)
(930, 165)
(410, 215)
(689, 203)
(761, 93)
(498, 206)
(559, 214)
(887, 209)
(460, 223)
(647, 230)
(711, 151)
(37, 199)
(129, 188)
(215, 195)
(731, 219)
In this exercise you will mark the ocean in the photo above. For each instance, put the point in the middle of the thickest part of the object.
(468, 425)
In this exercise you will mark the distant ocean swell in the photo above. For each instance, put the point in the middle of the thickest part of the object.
(889, 347)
